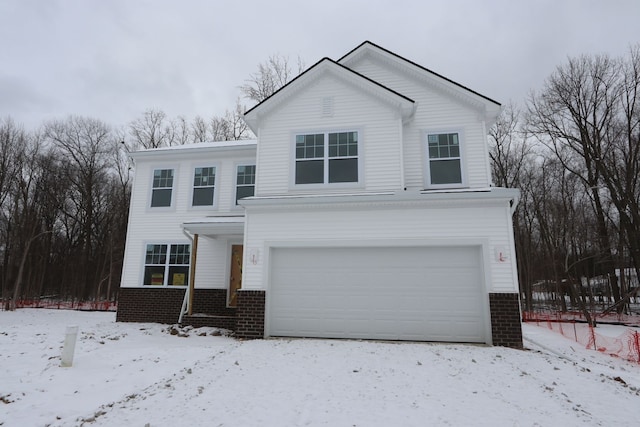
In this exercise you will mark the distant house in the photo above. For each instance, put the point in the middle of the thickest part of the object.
(364, 210)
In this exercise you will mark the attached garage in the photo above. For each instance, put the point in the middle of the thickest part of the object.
(420, 293)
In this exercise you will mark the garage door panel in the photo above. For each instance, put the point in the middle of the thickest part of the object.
(407, 293)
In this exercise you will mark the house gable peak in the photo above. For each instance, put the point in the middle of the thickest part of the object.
(327, 66)
(489, 108)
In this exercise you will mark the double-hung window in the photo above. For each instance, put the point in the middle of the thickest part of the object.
(162, 188)
(444, 161)
(326, 158)
(166, 265)
(245, 181)
(204, 180)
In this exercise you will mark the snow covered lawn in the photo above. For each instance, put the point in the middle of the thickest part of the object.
(135, 374)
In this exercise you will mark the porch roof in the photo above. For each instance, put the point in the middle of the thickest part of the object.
(215, 226)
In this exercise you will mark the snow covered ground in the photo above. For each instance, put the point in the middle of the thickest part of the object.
(133, 374)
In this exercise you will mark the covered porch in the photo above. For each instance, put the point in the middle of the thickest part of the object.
(211, 296)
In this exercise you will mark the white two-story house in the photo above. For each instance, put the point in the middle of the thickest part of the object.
(364, 210)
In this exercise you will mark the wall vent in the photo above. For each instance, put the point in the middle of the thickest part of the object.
(327, 106)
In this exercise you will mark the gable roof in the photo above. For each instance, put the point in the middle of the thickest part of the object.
(321, 68)
(369, 49)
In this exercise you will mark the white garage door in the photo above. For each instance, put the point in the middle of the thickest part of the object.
(395, 293)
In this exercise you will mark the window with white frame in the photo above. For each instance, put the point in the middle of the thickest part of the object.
(162, 188)
(204, 180)
(166, 265)
(326, 158)
(245, 181)
(443, 152)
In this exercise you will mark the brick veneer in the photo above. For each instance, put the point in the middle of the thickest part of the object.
(158, 305)
(162, 305)
(506, 327)
(250, 317)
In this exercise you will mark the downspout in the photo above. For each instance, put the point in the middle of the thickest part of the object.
(187, 302)
(402, 178)
(486, 154)
(514, 202)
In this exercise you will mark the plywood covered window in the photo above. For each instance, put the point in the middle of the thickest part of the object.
(166, 265)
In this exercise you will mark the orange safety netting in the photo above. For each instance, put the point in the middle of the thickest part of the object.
(572, 326)
(68, 305)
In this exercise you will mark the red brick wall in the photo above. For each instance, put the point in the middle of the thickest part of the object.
(250, 323)
(162, 305)
(157, 305)
(506, 327)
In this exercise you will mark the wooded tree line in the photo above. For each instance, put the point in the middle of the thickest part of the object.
(574, 151)
(65, 191)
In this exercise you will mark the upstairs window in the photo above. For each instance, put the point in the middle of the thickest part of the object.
(204, 180)
(162, 188)
(326, 158)
(167, 265)
(245, 181)
(444, 162)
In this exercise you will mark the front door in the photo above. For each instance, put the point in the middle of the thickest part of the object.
(235, 281)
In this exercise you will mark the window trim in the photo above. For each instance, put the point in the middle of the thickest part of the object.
(248, 162)
(167, 265)
(427, 160)
(176, 171)
(326, 185)
(216, 186)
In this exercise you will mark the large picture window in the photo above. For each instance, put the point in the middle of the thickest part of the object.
(162, 188)
(167, 265)
(444, 159)
(204, 180)
(245, 181)
(326, 158)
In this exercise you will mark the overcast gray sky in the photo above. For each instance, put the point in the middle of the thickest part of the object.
(112, 59)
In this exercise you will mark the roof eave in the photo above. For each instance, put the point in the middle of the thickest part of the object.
(195, 148)
(495, 194)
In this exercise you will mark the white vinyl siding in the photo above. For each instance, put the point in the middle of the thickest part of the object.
(436, 225)
(377, 124)
(148, 225)
(437, 109)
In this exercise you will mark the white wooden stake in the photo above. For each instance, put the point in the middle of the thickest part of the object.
(69, 346)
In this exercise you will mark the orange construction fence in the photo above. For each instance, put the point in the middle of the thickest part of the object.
(68, 305)
(572, 326)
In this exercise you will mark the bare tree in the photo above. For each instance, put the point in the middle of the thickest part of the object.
(509, 150)
(200, 130)
(86, 146)
(510, 153)
(152, 130)
(231, 126)
(272, 74)
(572, 115)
